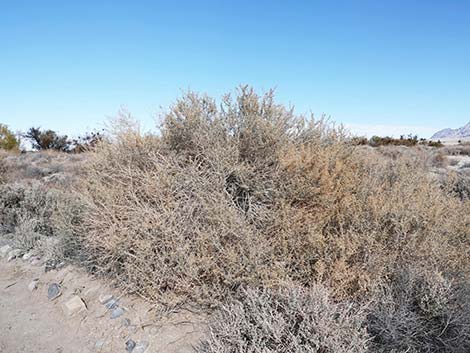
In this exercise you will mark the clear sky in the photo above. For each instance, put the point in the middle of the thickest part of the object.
(386, 67)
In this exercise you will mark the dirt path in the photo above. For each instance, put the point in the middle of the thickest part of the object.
(30, 322)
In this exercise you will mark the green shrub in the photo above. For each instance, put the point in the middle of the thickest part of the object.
(8, 140)
(437, 144)
(47, 139)
(410, 140)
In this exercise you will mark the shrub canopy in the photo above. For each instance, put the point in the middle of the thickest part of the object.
(8, 140)
(246, 193)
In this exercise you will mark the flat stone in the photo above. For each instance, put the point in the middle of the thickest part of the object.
(13, 254)
(53, 291)
(35, 261)
(130, 345)
(99, 344)
(117, 313)
(27, 256)
(33, 285)
(104, 298)
(111, 304)
(4, 250)
(141, 347)
(74, 305)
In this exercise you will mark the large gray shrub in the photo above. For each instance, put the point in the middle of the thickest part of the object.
(285, 321)
(42, 218)
(420, 311)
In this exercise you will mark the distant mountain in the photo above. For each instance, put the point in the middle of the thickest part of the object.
(452, 134)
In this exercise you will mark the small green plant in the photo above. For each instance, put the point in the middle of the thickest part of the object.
(409, 140)
(8, 140)
(437, 144)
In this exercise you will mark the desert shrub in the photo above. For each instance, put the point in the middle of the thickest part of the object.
(8, 140)
(47, 139)
(61, 170)
(29, 206)
(3, 170)
(293, 320)
(419, 310)
(440, 160)
(409, 140)
(437, 144)
(86, 142)
(249, 194)
(11, 196)
(458, 150)
(41, 218)
(458, 184)
(66, 221)
(359, 141)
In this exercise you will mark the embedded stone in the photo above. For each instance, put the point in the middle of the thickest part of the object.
(130, 345)
(53, 291)
(141, 347)
(4, 250)
(104, 298)
(13, 254)
(111, 304)
(74, 305)
(33, 285)
(117, 313)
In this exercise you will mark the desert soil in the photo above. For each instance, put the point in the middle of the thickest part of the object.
(30, 322)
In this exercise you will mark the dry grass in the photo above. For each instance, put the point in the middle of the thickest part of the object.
(58, 169)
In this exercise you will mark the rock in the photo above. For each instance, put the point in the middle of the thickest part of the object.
(117, 313)
(50, 265)
(13, 254)
(4, 250)
(27, 256)
(74, 305)
(111, 304)
(53, 291)
(126, 322)
(35, 261)
(33, 285)
(141, 347)
(130, 345)
(104, 298)
(99, 344)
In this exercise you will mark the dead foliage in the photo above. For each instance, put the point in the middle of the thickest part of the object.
(249, 194)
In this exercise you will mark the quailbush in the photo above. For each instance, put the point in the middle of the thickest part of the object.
(249, 194)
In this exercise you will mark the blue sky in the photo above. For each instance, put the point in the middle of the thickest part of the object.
(385, 67)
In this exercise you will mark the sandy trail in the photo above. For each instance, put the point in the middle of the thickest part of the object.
(30, 322)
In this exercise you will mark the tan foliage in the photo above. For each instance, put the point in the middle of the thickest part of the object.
(250, 194)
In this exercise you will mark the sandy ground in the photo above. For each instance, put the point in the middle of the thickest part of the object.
(30, 322)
